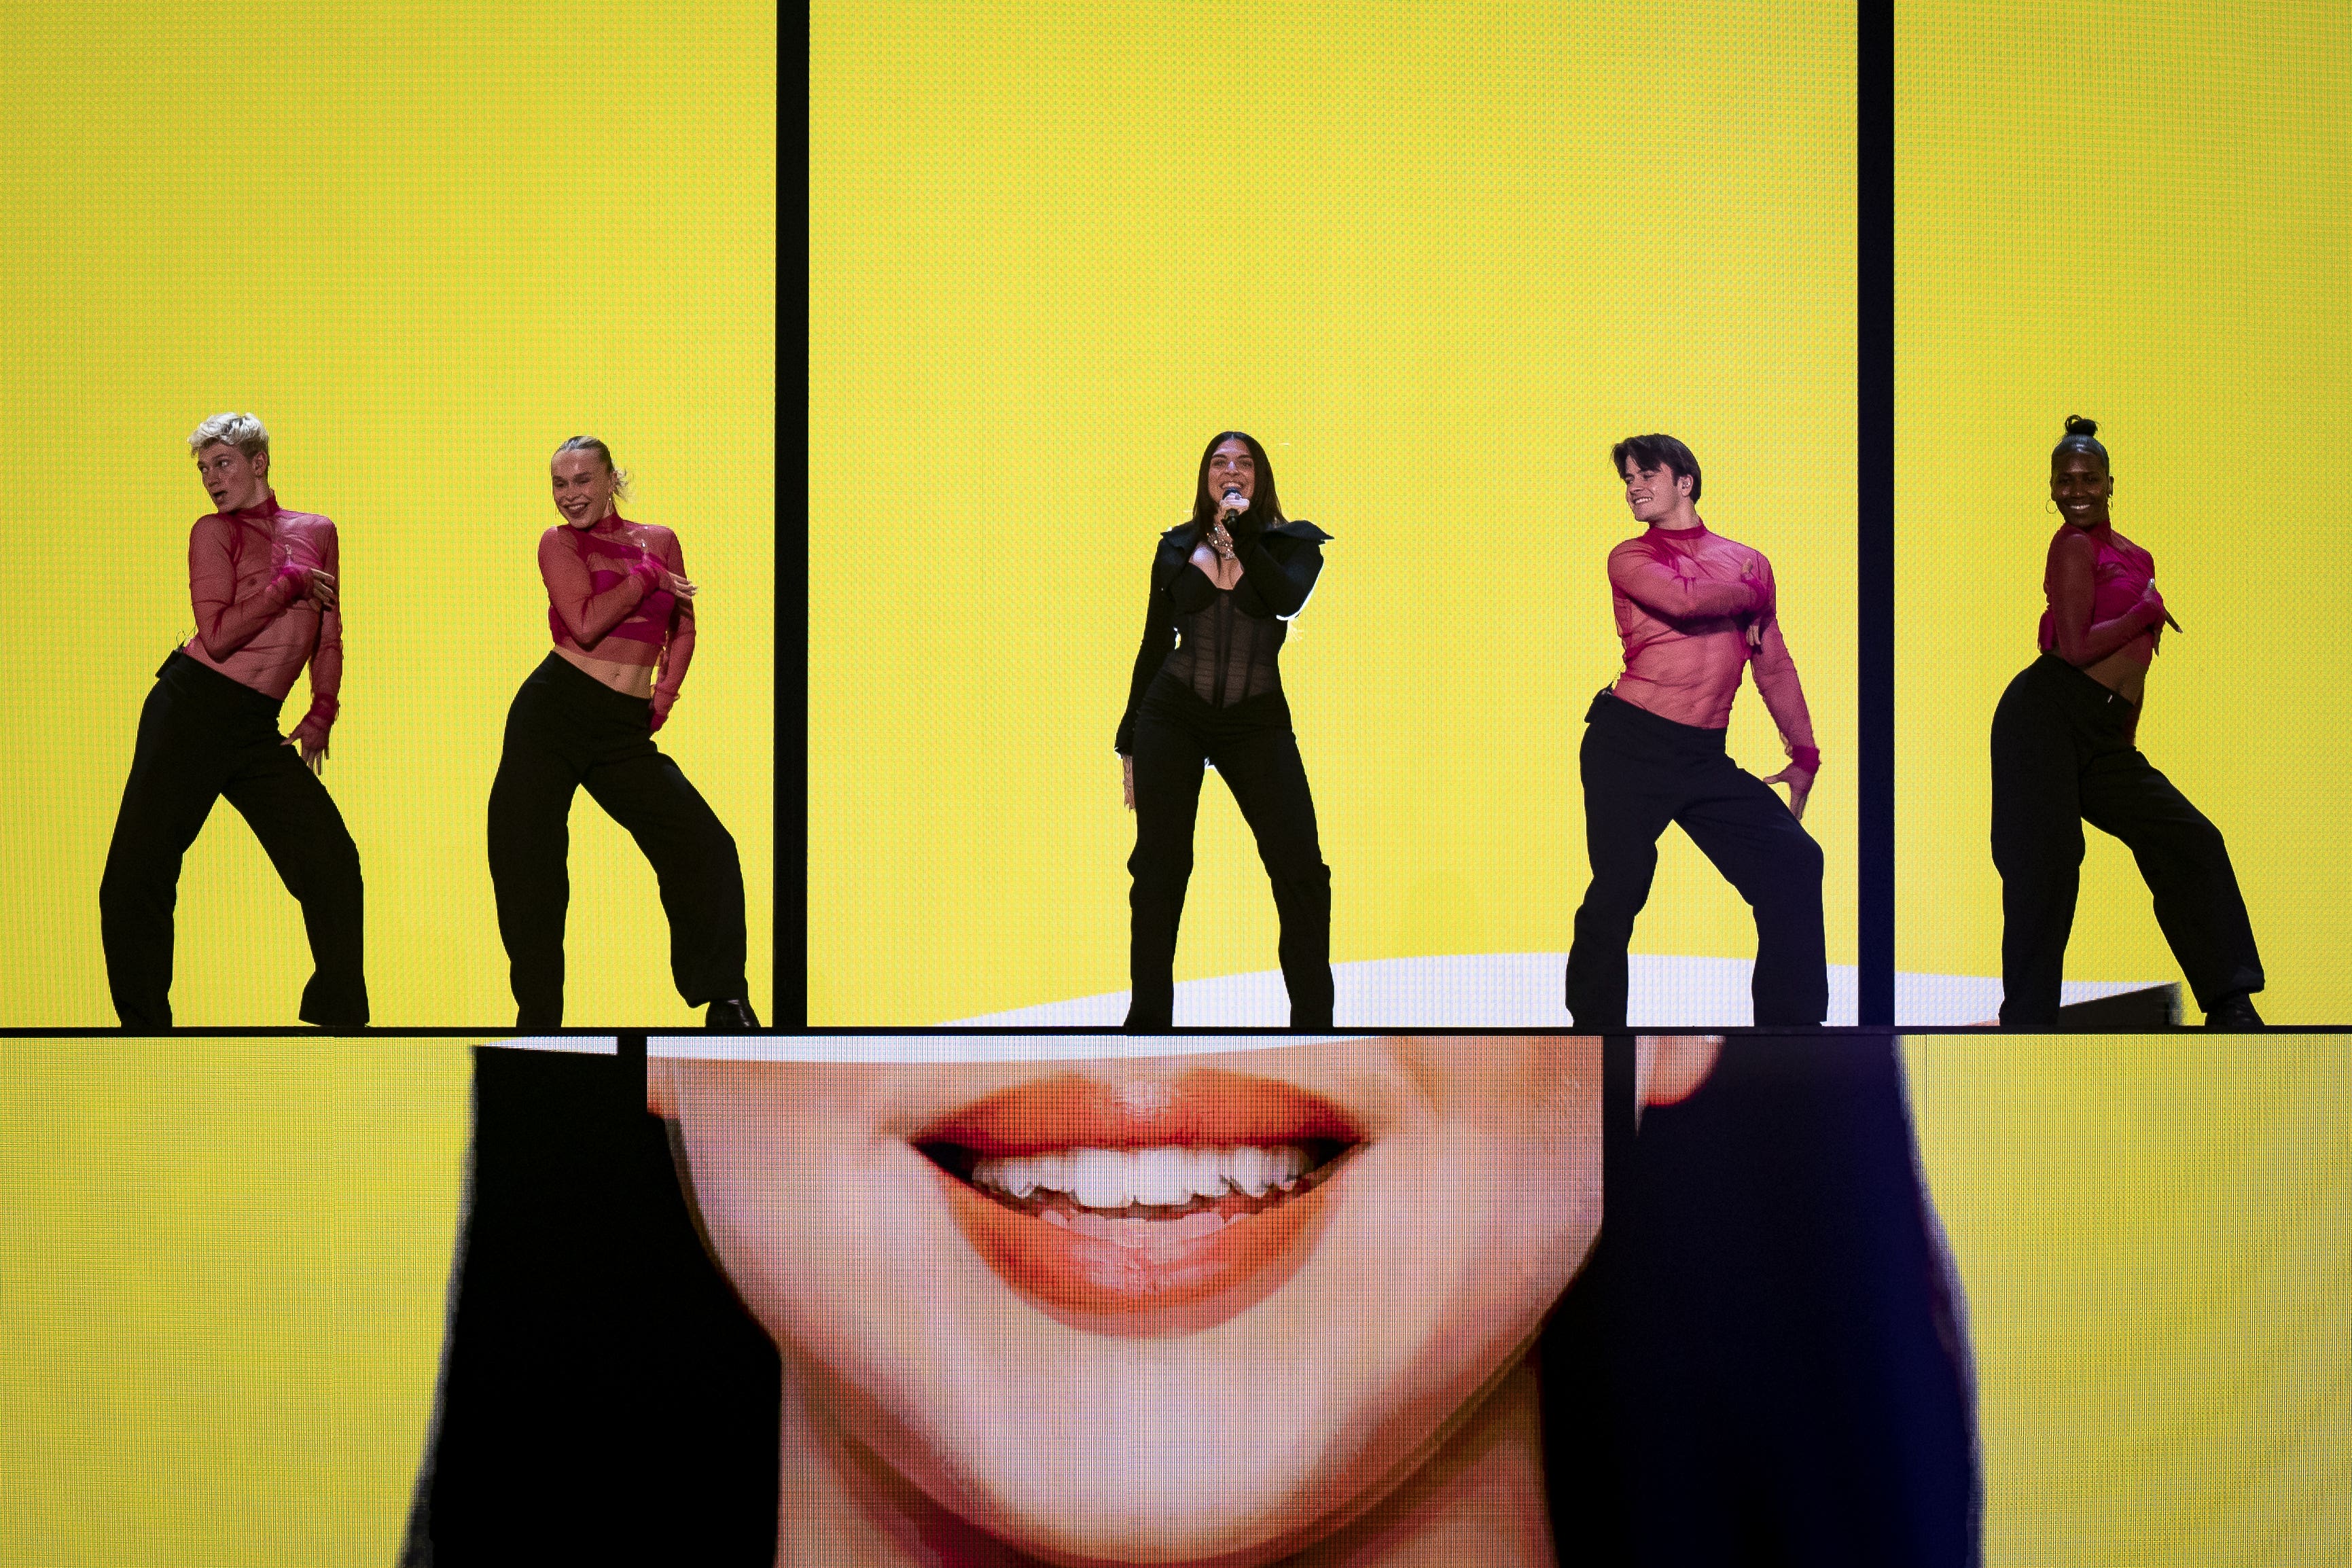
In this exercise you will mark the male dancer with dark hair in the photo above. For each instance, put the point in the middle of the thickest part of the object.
(1694, 609)
(262, 580)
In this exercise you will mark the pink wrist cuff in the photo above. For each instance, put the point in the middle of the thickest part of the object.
(1806, 757)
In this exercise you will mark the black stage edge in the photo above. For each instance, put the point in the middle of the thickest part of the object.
(2141, 1012)
(1875, 506)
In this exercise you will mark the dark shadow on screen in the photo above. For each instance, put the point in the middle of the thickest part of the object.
(602, 1397)
(1790, 1376)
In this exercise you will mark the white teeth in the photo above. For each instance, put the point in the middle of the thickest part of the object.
(1200, 1173)
(1161, 1177)
(1166, 1177)
(1099, 1179)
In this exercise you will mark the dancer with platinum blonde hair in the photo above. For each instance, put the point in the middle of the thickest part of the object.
(264, 583)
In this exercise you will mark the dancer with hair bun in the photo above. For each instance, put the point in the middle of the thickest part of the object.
(620, 612)
(2064, 754)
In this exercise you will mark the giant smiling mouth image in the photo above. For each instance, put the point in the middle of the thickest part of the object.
(1146, 1208)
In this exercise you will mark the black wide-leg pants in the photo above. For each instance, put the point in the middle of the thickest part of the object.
(566, 730)
(1642, 772)
(1256, 754)
(2062, 756)
(203, 737)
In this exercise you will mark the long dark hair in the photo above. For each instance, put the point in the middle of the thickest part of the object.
(1266, 505)
(1783, 1367)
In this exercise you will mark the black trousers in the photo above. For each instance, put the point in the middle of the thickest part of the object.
(565, 730)
(1640, 773)
(1255, 752)
(2062, 756)
(203, 736)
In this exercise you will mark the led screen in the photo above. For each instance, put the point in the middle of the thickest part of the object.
(2135, 213)
(424, 244)
(1437, 263)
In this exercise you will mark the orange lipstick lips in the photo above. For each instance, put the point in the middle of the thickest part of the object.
(1144, 1208)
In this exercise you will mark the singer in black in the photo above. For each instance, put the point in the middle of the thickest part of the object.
(1206, 689)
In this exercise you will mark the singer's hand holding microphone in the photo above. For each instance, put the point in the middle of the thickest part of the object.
(1231, 530)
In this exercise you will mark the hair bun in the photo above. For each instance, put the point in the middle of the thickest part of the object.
(2078, 426)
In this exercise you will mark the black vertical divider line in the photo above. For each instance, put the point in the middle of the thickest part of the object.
(1875, 542)
(790, 880)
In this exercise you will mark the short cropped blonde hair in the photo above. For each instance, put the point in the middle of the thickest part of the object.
(242, 431)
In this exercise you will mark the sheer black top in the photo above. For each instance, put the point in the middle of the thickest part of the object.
(1229, 637)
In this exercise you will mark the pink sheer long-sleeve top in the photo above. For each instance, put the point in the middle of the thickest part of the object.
(250, 580)
(1686, 600)
(2100, 589)
(603, 600)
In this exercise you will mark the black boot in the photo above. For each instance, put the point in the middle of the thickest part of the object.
(2234, 1012)
(736, 1015)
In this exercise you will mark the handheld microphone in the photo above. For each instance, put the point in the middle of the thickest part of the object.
(1231, 506)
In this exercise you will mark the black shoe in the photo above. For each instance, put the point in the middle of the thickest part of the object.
(2234, 1012)
(736, 1015)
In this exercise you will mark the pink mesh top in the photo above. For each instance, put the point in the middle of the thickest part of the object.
(602, 602)
(2101, 589)
(249, 580)
(1684, 600)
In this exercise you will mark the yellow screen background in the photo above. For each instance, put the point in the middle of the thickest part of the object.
(226, 1271)
(2138, 214)
(1437, 260)
(424, 242)
(2156, 1239)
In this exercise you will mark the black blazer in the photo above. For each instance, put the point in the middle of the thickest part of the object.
(1279, 566)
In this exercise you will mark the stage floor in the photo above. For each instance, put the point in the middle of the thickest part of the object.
(1523, 991)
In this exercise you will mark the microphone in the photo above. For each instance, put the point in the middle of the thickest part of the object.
(1229, 508)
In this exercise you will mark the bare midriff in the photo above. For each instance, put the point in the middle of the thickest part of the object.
(630, 679)
(2125, 671)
